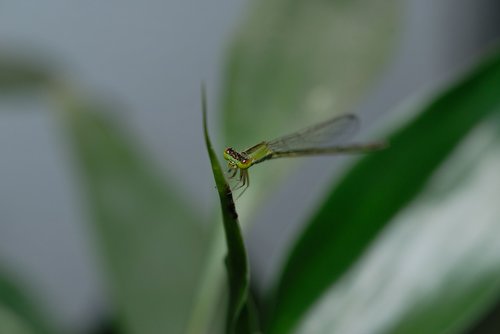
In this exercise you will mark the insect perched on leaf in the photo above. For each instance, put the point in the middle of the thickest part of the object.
(321, 139)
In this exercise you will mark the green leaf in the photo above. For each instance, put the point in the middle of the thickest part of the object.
(12, 323)
(238, 317)
(435, 269)
(17, 313)
(301, 61)
(376, 189)
(152, 243)
(19, 74)
(488, 322)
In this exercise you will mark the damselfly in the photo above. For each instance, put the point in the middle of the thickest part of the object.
(321, 139)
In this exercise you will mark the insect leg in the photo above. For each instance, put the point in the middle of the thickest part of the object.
(246, 182)
(232, 172)
(241, 181)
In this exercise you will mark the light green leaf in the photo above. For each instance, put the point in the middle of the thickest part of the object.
(301, 61)
(152, 244)
(12, 323)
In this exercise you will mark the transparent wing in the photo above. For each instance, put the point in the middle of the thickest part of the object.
(332, 132)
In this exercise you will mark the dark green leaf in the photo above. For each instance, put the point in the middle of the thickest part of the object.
(377, 188)
(238, 317)
(17, 312)
(436, 267)
(489, 323)
(19, 74)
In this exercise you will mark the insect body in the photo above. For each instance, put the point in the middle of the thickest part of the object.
(322, 139)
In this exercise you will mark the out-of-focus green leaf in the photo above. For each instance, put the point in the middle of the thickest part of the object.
(12, 323)
(17, 312)
(18, 74)
(301, 61)
(436, 269)
(377, 188)
(238, 274)
(488, 323)
(152, 243)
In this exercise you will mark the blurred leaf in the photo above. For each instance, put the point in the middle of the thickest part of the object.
(489, 323)
(377, 188)
(18, 74)
(12, 323)
(436, 269)
(152, 243)
(106, 325)
(294, 62)
(238, 320)
(17, 312)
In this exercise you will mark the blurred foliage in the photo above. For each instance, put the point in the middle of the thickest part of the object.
(17, 313)
(294, 62)
(19, 73)
(291, 63)
(152, 242)
(300, 62)
(435, 268)
(12, 323)
(489, 323)
(376, 189)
